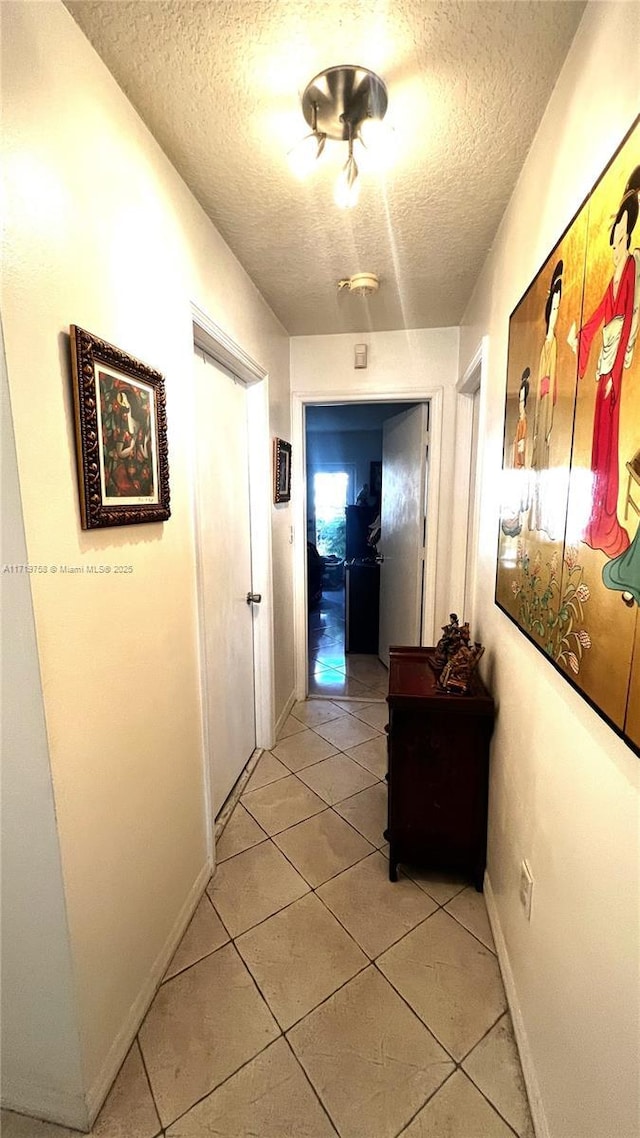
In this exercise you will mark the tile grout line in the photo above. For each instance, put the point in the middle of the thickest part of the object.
(263, 920)
(371, 959)
(478, 1087)
(326, 999)
(232, 1073)
(225, 814)
(466, 929)
(331, 806)
(316, 761)
(425, 1103)
(138, 1044)
(314, 764)
(458, 1063)
(224, 860)
(260, 1051)
(315, 1092)
(333, 876)
(302, 821)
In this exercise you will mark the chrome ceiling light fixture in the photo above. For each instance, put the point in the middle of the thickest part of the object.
(340, 103)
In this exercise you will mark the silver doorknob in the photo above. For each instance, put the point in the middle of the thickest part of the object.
(254, 598)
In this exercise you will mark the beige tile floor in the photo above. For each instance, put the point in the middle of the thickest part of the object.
(334, 673)
(310, 997)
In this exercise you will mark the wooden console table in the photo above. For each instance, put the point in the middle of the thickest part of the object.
(438, 769)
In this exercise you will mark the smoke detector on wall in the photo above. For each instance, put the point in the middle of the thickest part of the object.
(365, 284)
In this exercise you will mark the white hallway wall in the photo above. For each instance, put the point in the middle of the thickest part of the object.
(564, 788)
(103, 233)
(39, 1015)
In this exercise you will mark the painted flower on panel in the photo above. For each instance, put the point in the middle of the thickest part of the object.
(552, 608)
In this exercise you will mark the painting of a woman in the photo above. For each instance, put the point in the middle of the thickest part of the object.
(127, 442)
(568, 572)
(511, 518)
(546, 399)
(520, 440)
(615, 315)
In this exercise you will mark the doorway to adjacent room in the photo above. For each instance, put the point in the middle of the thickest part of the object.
(344, 445)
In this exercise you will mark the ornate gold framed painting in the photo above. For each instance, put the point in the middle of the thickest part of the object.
(121, 435)
(569, 542)
(281, 471)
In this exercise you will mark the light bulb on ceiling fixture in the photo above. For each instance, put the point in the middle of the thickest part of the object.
(378, 146)
(303, 156)
(372, 133)
(347, 189)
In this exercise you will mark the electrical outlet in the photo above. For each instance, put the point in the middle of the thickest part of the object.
(526, 889)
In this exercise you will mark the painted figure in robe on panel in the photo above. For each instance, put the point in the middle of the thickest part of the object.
(605, 486)
(569, 545)
(536, 474)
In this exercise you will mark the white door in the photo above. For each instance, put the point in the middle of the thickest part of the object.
(472, 517)
(403, 528)
(224, 571)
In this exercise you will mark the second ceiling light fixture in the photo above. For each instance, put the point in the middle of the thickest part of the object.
(346, 104)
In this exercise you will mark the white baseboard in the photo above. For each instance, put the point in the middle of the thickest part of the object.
(26, 1095)
(125, 1037)
(285, 713)
(77, 1111)
(536, 1107)
(235, 794)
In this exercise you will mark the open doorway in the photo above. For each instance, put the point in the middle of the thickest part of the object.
(344, 486)
(330, 489)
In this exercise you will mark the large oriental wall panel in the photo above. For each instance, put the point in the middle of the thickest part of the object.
(569, 544)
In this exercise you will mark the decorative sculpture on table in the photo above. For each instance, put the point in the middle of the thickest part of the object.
(456, 675)
(447, 642)
(453, 636)
(455, 659)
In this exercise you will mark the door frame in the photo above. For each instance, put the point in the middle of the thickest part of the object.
(299, 402)
(467, 455)
(210, 338)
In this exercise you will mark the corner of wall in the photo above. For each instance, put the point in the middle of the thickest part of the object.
(41, 1056)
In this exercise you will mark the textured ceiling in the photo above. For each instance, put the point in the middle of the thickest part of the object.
(218, 82)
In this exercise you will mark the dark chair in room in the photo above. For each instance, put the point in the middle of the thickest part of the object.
(315, 571)
(333, 576)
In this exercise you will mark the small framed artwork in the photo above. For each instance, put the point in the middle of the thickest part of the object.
(121, 435)
(281, 471)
